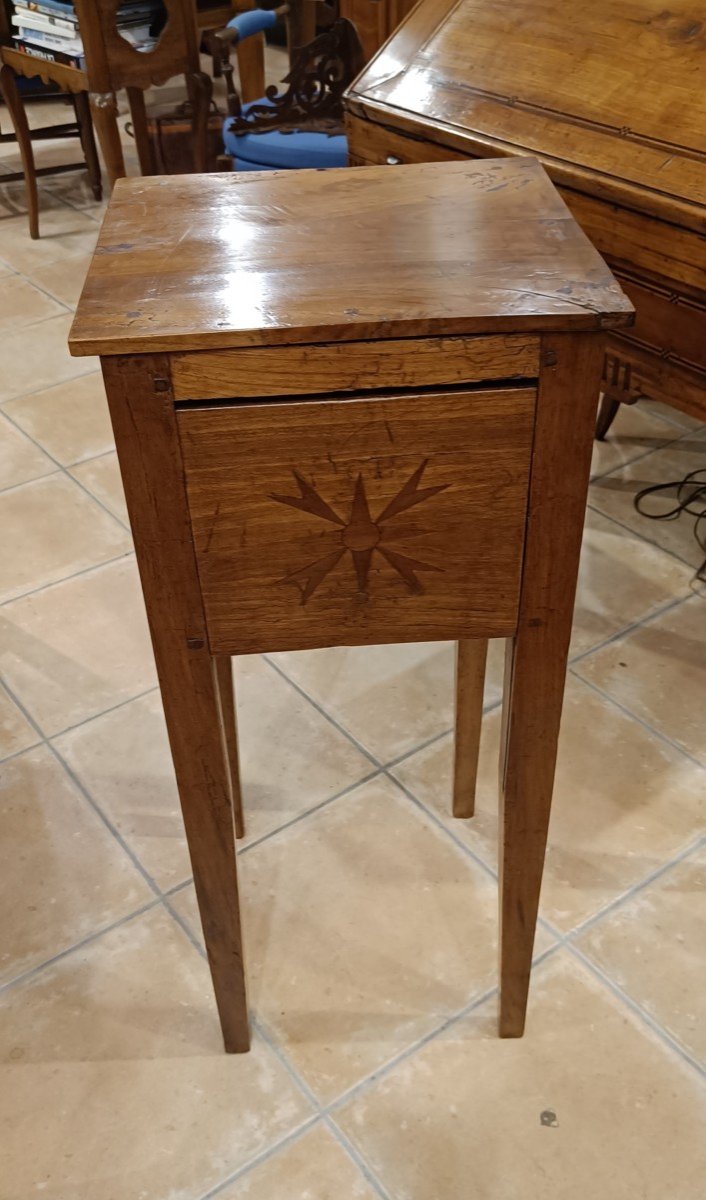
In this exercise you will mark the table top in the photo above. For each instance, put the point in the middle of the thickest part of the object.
(192, 262)
(613, 93)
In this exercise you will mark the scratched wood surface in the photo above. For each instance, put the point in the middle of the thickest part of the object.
(196, 262)
(352, 521)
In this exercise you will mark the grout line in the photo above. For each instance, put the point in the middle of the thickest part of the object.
(641, 536)
(50, 737)
(283, 1143)
(331, 720)
(106, 821)
(662, 737)
(636, 1008)
(45, 292)
(624, 897)
(430, 741)
(630, 462)
(66, 578)
(351, 787)
(24, 976)
(626, 630)
(66, 471)
(356, 1157)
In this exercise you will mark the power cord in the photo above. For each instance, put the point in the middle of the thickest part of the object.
(691, 499)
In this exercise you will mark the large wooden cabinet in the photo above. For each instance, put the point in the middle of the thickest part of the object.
(375, 20)
(611, 98)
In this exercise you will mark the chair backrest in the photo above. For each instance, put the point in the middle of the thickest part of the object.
(111, 62)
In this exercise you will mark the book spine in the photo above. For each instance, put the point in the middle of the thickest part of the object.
(39, 37)
(34, 16)
(55, 56)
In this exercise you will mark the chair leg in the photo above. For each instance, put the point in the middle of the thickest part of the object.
(104, 110)
(200, 91)
(470, 678)
(224, 676)
(85, 126)
(18, 116)
(136, 100)
(606, 415)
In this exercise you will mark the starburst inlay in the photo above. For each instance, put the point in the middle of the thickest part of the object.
(360, 536)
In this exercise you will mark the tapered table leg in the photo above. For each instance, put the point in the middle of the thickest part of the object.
(537, 656)
(142, 411)
(470, 678)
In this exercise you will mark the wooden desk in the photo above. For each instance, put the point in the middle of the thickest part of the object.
(611, 98)
(353, 407)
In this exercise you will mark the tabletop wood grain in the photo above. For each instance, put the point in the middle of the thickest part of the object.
(204, 261)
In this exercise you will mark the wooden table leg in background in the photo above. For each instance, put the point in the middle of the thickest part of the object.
(470, 679)
(18, 116)
(144, 422)
(88, 142)
(536, 658)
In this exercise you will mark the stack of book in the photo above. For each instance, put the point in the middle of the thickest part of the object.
(49, 29)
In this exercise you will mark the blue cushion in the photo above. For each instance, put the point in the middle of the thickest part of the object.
(284, 151)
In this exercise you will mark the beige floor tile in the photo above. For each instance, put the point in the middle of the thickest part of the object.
(291, 759)
(635, 431)
(116, 1083)
(398, 932)
(22, 304)
(614, 494)
(621, 580)
(20, 459)
(74, 189)
(652, 945)
(70, 421)
(391, 698)
(465, 1116)
(673, 415)
(624, 803)
(63, 874)
(74, 649)
(315, 1167)
(102, 478)
(16, 733)
(63, 279)
(38, 356)
(659, 673)
(53, 529)
(64, 232)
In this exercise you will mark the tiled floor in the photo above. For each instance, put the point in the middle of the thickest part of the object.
(369, 912)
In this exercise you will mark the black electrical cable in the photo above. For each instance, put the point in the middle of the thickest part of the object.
(690, 498)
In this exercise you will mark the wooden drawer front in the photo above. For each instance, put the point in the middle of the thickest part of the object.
(352, 366)
(358, 521)
(372, 143)
(668, 324)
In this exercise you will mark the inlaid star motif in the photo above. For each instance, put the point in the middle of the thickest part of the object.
(360, 535)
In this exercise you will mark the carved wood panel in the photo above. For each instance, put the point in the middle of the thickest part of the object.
(356, 521)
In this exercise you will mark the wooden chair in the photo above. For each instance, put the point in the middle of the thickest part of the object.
(301, 125)
(112, 63)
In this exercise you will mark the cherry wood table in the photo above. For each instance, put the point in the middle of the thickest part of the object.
(353, 407)
(611, 98)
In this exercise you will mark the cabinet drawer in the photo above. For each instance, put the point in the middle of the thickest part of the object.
(369, 142)
(352, 521)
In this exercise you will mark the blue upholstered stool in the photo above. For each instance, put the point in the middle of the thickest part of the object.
(272, 150)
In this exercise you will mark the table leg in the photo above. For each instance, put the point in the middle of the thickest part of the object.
(537, 656)
(470, 678)
(18, 116)
(138, 112)
(144, 422)
(104, 110)
(88, 142)
(224, 675)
